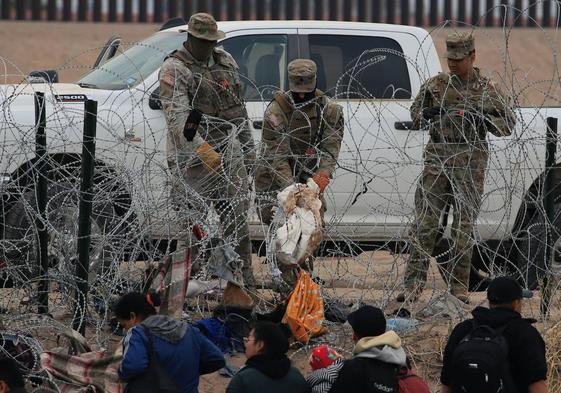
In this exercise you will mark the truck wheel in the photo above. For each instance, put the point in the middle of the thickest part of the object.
(530, 262)
(20, 237)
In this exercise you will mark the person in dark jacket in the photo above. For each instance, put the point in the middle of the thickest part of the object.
(526, 347)
(11, 380)
(267, 368)
(376, 357)
(179, 348)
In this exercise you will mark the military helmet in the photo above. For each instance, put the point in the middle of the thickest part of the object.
(302, 75)
(203, 26)
(459, 45)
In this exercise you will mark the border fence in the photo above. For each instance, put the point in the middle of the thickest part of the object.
(489, 13)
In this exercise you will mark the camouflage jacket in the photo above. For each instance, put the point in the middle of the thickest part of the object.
(478, 96)
(213, 88)
(299, 141)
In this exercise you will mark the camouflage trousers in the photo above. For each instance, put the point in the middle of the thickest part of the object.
(454, 179)
(227, 191)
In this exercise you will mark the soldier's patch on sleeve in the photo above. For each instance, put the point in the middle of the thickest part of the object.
(168, 79)
(274, 119)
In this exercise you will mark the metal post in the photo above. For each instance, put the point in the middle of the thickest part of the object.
(21, 8)
(112, 11)
(433, 13)
(172, 10)
(419, 13)
(67, 10)
(52, 10)
(517, 14)
(462, 12)
(82, 10)
(41, 197)
(475, 13)
(376, 10)
(489, 13)
(447, 10)
(390, 11)
(531, 20)
(97, 10)
(6, 9)
(36, 9)
(404, 12)
(142, 11)
(127, 11)
(549, 201)
(84, 215)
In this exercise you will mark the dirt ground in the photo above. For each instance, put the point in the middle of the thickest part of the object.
(524, 61)
(372, 278)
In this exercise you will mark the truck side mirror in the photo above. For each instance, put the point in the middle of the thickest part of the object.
(42, 76)
(154, 101)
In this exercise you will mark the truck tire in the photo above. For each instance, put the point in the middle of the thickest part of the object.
(18, 247)
(530, 262)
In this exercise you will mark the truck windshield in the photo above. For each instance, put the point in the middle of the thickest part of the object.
(132, 66)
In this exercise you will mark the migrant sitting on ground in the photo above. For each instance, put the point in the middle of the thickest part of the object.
(180, 351)
(497, 349)
(378, 358)
(10, 377)
(267, 368)
(325, 363)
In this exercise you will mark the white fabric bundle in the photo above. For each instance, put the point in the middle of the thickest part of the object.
(301, 234)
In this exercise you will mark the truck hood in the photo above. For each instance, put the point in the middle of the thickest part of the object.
(64, 115)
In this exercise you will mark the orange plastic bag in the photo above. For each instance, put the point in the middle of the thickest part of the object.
(304, 312)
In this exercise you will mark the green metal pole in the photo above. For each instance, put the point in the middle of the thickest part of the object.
(41, 198)
(85, 212)
(549, 206)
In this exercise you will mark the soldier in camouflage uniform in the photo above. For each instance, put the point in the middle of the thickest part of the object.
(201, 96)
(302, 134)
(459, 108)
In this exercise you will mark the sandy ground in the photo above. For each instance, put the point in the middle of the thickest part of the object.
(523, 60)
(373, 278)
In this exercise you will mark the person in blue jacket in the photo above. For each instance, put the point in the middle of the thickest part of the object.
(179, 348)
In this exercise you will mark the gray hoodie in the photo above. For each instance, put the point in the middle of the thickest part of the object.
(165, 328)
(386, 348)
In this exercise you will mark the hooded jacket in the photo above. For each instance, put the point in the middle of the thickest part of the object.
(373, 368)
(268, 374)
(180, 349)
(526, 348)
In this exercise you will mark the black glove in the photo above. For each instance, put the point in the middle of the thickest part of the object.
(192, 123)
(430, 113)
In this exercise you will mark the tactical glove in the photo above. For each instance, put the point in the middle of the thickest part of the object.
(430, 113)
(192, 123)
(322, 181)
(209, 156)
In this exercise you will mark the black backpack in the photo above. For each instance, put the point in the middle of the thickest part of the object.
(480, 362)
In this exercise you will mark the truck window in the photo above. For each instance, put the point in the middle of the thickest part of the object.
(262, 62)
(132, 66)
(360, 67)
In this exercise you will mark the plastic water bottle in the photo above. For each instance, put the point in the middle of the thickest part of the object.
(402, 325)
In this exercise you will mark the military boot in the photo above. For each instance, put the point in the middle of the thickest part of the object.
(460, 293)
(235, 296)
(410, 294)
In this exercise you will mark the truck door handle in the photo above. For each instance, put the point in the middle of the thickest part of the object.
(404, 125)
(258, 124)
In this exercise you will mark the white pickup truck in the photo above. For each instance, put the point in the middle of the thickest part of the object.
(372, 70)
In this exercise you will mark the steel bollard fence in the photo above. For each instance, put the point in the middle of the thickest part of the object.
(84, 215)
